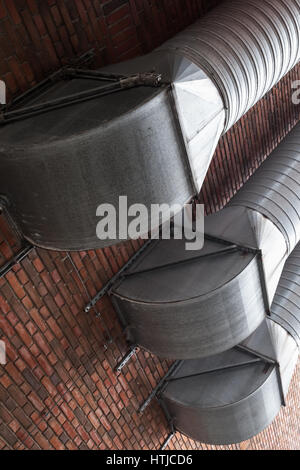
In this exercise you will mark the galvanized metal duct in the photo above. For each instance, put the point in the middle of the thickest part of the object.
(231, 397)
(216, 299)
(153, 145)
(245, 47)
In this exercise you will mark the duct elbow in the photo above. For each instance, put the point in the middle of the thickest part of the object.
(231, 397)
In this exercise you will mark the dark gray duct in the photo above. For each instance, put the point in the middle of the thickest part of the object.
(183, 304)
(153, 145)
(231, 397)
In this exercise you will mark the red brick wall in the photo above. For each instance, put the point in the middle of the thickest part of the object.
(58, 389)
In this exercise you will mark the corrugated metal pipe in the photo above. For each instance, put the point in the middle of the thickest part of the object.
(183, 305)
(231, 397)
(152, 144)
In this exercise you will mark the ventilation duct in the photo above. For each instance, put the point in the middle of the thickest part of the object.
(184, 305)
(152, 144)
(231, 397)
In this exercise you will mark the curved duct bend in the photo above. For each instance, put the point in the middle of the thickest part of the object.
(203, 303)
(233, 396)
(152, 144)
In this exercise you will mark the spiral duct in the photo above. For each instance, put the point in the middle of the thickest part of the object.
(212, 302)
(231, 397)
(153, 145)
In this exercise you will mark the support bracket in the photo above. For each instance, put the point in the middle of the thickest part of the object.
(159, 387)
(106, 288)
(25, 248)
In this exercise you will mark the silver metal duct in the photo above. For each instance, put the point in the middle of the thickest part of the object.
(245, 47)
(285, 308)
(219, 296)
(154, 145)
(231, 397)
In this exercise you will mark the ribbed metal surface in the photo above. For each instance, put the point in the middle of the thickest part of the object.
(286, 304)
(274, 190)
(245, 47)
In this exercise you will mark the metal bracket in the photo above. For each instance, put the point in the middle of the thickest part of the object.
(280, 384)
(106, 290)
(120, 83)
